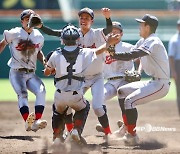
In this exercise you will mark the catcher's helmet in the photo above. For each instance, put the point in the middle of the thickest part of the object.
(70, 33)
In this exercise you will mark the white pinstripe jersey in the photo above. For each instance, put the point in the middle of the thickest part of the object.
(94, 38)
(83, 64)
(156, 63)
(24, 47)
(113, 67)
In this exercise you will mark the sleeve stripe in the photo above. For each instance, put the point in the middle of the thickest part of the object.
(145, 50)
(103, 36)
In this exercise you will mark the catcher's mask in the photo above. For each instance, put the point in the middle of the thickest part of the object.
(70, 34)
(26, 13)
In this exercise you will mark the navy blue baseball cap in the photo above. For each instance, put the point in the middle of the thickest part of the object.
(149, 19)
(26, 13)
(118, 25)
(88, 11)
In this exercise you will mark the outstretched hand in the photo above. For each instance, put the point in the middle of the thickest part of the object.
(113, 39)
(106, 12)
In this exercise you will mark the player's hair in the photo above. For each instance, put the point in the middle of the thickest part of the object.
(152, 28)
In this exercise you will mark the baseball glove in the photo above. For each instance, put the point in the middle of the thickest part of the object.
(34, 20)
(132, 76)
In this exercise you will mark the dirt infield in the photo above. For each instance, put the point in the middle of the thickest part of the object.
(158, 125)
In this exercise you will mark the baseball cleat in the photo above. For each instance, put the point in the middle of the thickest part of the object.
(121, 131)
(38, 124)
(99, 128)
(29, 121)
(130, 140)
(77, 138)
(75, 135)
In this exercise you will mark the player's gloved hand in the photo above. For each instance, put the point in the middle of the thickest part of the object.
(132, 76)
(35, 21)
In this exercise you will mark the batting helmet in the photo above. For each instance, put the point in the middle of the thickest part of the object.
(70, 34)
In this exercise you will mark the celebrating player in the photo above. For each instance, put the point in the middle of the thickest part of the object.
(154, 61)
(71, 65)
(114, 72)
(92, 38)
(26, 47)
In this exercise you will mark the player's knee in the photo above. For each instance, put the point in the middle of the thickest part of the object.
(129, 104)
(99, 112)
(23, 94)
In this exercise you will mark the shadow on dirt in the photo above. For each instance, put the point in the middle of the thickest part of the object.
(151, 145)
(27, 138)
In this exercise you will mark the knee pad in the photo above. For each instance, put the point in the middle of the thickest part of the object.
(57, 119)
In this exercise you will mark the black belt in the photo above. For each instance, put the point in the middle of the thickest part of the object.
(74, 92)
(115, 78)
(25, 70)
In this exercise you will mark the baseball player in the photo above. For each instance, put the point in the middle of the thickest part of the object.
(154, 62)
(71, 65)
(26, 47)
(92, 38)
(114, 72)
(174, 60)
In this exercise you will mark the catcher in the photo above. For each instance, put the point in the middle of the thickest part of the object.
(118, 73)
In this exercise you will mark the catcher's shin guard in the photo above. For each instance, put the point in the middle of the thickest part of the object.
(80, 117)
(58, 124)
(69, 122)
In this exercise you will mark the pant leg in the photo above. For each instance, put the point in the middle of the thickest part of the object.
(18, 82)
(36, 86)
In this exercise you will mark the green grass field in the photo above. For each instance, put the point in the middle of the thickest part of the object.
(7, 93)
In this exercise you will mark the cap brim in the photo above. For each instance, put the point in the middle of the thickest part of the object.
(85, 12)
(140, 20)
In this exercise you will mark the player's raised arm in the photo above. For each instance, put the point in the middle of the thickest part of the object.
(107, 14)
(46, 29)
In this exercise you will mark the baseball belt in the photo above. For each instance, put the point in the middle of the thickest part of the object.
(115, 78)
(25, 70)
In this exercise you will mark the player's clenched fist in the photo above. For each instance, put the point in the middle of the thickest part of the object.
(106, 12)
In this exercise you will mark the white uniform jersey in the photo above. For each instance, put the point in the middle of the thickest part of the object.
(57, 60)
(113, 67)
(24, 47)
(174, 46)
(94, 38)
(156, 63)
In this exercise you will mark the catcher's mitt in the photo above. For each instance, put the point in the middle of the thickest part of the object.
(34, 20)
(132, 76)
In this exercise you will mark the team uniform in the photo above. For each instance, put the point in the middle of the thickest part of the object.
(156, 65)
(24, 48)
(174, 52)
(154, 61)
(114, 70)
(94, 77)
(64, 92)
(69, 91)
